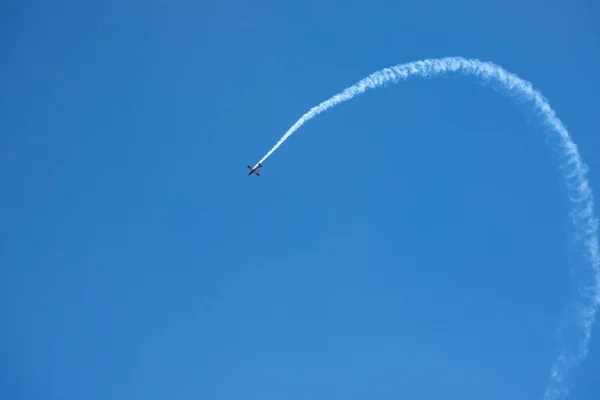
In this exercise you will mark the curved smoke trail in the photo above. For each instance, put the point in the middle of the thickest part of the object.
(580, 194)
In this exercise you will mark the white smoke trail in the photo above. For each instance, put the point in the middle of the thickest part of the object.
(571, 354)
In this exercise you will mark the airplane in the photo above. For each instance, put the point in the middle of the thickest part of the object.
(254, 170)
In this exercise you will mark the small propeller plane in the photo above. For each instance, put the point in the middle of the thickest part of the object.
(254, 170)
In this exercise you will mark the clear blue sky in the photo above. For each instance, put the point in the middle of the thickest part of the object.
(410, 244)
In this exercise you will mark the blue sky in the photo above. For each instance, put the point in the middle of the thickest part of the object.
(412, 243)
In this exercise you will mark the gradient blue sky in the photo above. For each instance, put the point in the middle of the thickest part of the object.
(413, 243)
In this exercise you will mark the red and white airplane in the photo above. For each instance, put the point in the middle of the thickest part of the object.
(254, 170)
